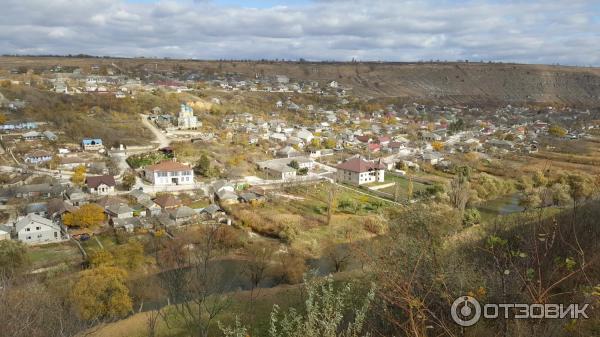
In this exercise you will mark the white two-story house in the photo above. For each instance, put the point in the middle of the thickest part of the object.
(169, 173)
(34, 229)
(360, 171)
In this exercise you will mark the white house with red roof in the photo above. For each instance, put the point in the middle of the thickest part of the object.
(169, 173)
(358, 171)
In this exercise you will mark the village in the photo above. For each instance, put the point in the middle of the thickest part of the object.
(103, 161)
(379, 152)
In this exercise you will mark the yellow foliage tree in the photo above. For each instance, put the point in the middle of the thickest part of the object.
(87, 216)
(2, 119)
(101, 293)
(78, 175)
(438, 146)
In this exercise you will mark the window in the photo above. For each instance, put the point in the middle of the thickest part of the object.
(28, 237)
(28, 229)
(39, 236)
(38, 228)
(55, 235)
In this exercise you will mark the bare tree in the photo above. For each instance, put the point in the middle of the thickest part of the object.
(194, 283)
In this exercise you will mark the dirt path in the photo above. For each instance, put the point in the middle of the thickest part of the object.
(161, 138)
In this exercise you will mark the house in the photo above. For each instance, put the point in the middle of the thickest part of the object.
(360, 171)
(212, 210)
(34, 229)
(251, 197)
(281, 169)
(57, 207)
(168, 201)
(39, 190)
(76, 196)
(227, 197)
(169, 173)
(71, 162)
(182, 214)
(430, 136)
(32, 135)
(432, 157)
(101, 185)
(92, 144)
(305, 135)
(287, 152)
(152, 208)
(139, 195)
(120, 211)
(39, 208)
(38, 157)
(50, 135)
(4, 235)
(127, 224)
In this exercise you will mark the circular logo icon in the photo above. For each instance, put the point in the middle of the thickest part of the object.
(466, 311)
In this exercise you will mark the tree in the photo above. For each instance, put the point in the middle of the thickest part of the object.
(437, 145)
(315, 143)
(330, 143)
(191, 279)
(101, 293)
(78, 177)
(54, 162)
(409, 188)
(331, 201)
(294, 164)
(13, 257)
(460, 189)
(338, 255)
(129, 179)
(557, 131)
(87, 216)
(203, 166)
(2, 118)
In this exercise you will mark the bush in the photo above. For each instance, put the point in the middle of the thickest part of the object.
(288, 233)
(375, 226)
(471, 217)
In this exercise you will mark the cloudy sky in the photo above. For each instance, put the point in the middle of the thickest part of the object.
(533, 31)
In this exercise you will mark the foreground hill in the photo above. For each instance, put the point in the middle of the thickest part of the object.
(442, 83)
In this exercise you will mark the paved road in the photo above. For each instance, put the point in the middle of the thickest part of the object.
(161, 138)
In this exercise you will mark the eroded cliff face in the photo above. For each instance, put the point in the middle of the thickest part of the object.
(444, 83)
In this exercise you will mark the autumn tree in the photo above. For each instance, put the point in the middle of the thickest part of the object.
(78, 177)
(87, 216)
(437, 145)
(101, 293)
(2, 118)
(557, 131)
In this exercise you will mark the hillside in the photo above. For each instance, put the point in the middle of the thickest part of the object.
(441, 83)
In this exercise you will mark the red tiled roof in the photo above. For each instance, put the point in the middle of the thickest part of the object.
(168, 166)
(373, 147)
(94, 182)
(360, 165)
(364, 139)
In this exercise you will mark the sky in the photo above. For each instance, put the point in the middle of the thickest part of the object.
(524, 31)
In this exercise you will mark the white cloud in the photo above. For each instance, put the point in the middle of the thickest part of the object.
(535, 31)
